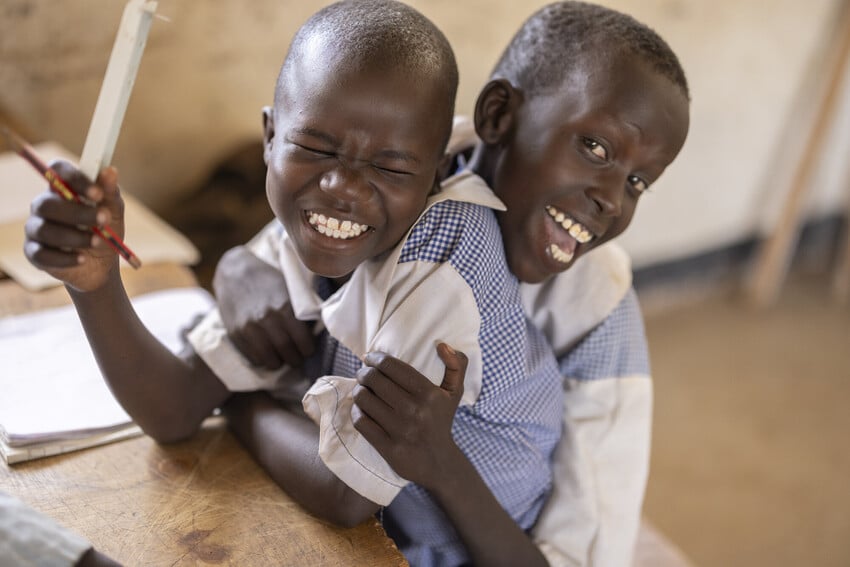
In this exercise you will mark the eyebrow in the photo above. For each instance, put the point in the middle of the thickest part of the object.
(398, 155)
(307, 131)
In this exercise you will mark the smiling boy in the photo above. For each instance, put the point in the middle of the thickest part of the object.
(584, 111)
(363, 110)
(569, 143)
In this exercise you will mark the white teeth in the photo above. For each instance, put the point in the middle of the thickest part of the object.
(335, 228)
(575, 229)
(560, 255)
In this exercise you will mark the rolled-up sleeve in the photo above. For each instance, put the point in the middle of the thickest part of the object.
(29, 538)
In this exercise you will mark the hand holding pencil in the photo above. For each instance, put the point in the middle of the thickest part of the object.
(75, 228)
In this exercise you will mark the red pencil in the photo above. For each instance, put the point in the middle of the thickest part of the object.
(58, 185)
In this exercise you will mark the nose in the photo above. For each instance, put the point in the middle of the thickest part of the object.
(346, 183)
(607, 194)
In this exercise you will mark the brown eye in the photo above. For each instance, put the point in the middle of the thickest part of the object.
(595, 148)
(638, 183)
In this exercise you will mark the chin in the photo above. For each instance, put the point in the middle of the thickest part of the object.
(526, 274)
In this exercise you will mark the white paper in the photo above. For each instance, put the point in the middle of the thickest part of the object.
(51, 386)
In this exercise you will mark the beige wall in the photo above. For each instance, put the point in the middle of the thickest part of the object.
(208, 70)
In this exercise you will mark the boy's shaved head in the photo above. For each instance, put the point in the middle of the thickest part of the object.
(382, 34)
(562, 36)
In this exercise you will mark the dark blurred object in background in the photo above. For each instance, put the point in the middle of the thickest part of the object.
(227, 209)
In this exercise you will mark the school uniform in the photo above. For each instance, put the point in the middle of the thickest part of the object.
(591, 317)
(446, 281)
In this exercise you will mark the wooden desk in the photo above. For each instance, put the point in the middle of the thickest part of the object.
(204, 501)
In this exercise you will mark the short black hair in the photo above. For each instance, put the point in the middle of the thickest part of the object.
(559, 36)
(369, 32)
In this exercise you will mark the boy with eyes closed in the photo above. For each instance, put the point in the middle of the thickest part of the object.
(584, 111)
(374, 257)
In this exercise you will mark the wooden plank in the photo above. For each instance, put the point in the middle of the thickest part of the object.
(774, 257)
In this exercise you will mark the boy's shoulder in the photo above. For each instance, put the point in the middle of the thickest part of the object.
(458, 226)
(458, 222)
(589, 291)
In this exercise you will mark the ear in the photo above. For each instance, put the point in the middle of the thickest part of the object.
(268, 132)
(495, 110)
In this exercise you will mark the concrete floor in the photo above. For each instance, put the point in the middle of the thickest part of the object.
(751, 456)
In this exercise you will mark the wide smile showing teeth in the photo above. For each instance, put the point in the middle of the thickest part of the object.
(335, 228)
(574, 228)
(559, 254)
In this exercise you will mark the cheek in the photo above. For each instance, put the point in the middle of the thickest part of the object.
(276, 194)
(404, 207)
(284, 181)
(624, 220)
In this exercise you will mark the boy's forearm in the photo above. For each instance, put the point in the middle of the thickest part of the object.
(168, 396)
(490, 534)
(286, 444)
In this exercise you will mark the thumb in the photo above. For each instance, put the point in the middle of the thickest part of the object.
(456, 363)
(110, 198)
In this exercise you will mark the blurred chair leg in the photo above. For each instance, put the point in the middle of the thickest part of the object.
(841, 279)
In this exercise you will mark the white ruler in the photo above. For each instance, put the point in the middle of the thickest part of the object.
(116, 87)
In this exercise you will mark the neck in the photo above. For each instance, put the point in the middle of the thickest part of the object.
(483, 162)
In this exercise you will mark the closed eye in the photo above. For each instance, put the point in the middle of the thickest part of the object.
(392, 171)
(315, 151)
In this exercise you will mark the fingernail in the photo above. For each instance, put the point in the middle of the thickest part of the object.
(101, 218)
(450, 349)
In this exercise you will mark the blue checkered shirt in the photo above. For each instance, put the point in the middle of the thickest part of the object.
(511, 430)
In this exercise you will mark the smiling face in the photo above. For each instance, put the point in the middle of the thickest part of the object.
(352, 155)
(574, 162)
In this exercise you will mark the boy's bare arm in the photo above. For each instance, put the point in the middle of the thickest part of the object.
(286, 444)
(256, 312)
(408, 420)
(167, 395)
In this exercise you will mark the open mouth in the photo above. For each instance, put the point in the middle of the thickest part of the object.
(333, 227)
(576, 231)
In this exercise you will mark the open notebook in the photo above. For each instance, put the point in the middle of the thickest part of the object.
(53, 398)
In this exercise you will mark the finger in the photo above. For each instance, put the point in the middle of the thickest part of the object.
(253, 348)
(456, 363)
(43, 257)
(383, 387)
(56, 235)
(399, 372)
(275, 326)
(72, 176)
(107, 181)
(374, 408)
(371, 431)
(300, 333)
(54, 208)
